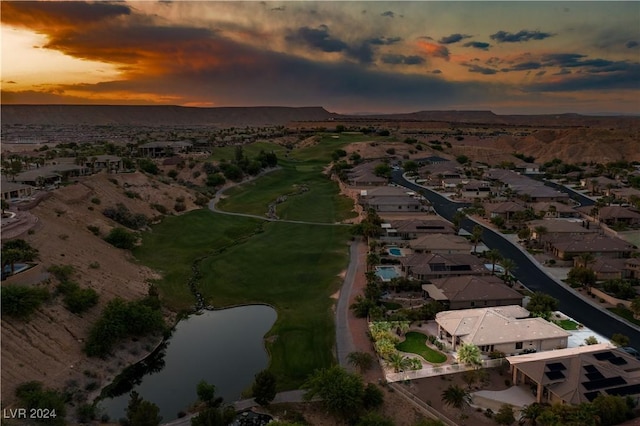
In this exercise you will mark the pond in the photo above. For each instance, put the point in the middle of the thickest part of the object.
(223, 347)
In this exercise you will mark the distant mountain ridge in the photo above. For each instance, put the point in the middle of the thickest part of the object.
(152, 115)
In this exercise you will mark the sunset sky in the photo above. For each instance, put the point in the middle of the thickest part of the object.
(350, 57)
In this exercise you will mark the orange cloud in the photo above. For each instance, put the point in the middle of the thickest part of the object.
(433, 49)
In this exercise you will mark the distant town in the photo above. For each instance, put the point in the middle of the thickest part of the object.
(440, 268)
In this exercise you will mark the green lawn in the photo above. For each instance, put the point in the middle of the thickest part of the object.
(415, 343)
(567, 324)
(626, 314)
(321, 203)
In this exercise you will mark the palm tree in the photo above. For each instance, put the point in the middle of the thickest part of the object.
(531, 412)
(469, 354)
(494, 257)
(585, 259)
(455, 396)
(541, 231)
(363, 361)
(476, 237)
(635, 307)
(398, 362)
(509, 266)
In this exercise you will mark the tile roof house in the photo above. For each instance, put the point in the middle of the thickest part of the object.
(505, 210)
(612, 215)
(598, 245)
(363, 175)
(414, 228)
(164, 149)
(554, 210)
(506, 329)
(471, 292)
(577, 375)
(424, 267)
(15, 191)
(609, 269)
(440, 243)
(558, 228)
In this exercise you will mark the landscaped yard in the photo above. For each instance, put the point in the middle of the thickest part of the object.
(626, 314)
(416, 343)
(567, 324)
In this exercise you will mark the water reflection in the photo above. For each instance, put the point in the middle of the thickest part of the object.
(224, 348)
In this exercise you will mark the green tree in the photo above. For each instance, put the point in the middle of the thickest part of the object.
(612, 409)
(508, 265)
(469, 354)
(363, 361)
(207, 393)
(591, 340)
(541, 304)
(620, 339)
(361, 306)
(20, 301)
(264, 387)
(373, 397)
(410, 166)
(494, 257)
(398, 362)
(121, 238)
(531, 412)
(141, 412)
(341, 392)
(585, 259)
(382, 170)
(34, 396)
(505, 415)
(579, 275)
(476, 237)
(635, 307)
(455, 396)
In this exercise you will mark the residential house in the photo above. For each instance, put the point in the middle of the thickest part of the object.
(607, 268)
(625, 194)
(558, 229)
(15, 191)
(525, 187)
(632, 268)
(505, 210)
(599, 184)
(428, 266)
(527, 168)
(110, 163)
(471, 292)
(506, 329)
(618, 215)
(475, 189)
(164, 149)
(577, 375)
(553, 210)
(393, 204)
(415, 228)
(440, 243)
(597, 245)
(363, 175)
(50, 175)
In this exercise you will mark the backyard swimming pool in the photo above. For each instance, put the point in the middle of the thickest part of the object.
(387, 273)
(17, 267)
(395, 251)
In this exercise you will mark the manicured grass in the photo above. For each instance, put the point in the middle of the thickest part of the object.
(321, 203)
(416, 343)
(567, 324)
(626, 314)
(321, 152)
(294, 268)
(174, 244)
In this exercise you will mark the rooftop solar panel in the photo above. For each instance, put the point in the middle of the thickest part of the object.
(618, 360)
(590, 368)
(625, 390)
(604, 383)
(554, 375)
(556, 366)
(596, 375)
(592, 395)
(601, 356)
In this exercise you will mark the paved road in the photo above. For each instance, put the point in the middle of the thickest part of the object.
(529, 273)
(344, 339)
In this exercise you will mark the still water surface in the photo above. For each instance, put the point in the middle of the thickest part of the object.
(223, 347)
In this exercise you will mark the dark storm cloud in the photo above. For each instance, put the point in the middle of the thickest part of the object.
(520, 36)
(318, 38)
(453, 38)
(395, 59)
(436, 72)
(477, 45)
(384, 41)
(523, 66)
(540, 73)
(563, 71)
(480, 70)
(388, 14)
(573, 60)
(631, 44)
(621, 79)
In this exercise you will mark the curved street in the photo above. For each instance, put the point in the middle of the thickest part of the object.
(529, 272)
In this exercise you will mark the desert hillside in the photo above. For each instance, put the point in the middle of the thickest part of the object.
(48, 347)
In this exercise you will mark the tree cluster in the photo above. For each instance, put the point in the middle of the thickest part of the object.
(121, 238)
(119, 320)
(33, 396)
(20, 301)
(14, 251)
(121, 214)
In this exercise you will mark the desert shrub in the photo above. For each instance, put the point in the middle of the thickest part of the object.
(172, 174)
(76, 299)
(61, 272)
(96, 200)
(159, 207)
(148, 166)
(95, 230)
(34, 396)
(121, 238)
(20, 301)
(94, 265)
(121, 319)
(179, 206)
(121, 214)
